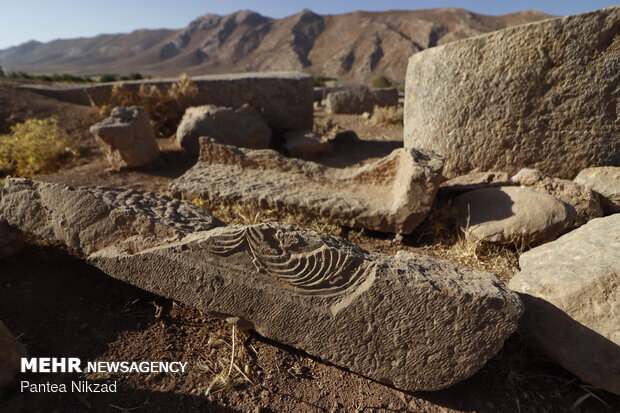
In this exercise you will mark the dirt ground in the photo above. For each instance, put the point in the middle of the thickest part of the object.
(57, 305)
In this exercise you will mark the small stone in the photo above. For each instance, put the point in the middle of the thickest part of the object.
(242, 127)
(300, 143)
(585, 202)
(475, 180)
(127, 138)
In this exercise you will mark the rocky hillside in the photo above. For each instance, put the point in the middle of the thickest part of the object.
(354, 46)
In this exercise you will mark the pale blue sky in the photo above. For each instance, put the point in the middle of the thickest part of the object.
(45, 20)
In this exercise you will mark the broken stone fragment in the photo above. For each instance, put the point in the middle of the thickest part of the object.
(475, 180)
(393, 194)
(411, 321)
(127, 138)
(571, 291)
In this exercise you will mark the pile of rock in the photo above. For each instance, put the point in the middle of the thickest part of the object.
(495, 102)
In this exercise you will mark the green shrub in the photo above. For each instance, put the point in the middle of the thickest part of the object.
(320, 81)
(107, 78)
(65, 77)
(135, 76)
(381, 82)
(33, 147)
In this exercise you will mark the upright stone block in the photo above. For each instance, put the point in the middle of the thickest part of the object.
(541, 95)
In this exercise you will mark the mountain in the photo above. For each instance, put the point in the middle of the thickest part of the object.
(355, 46)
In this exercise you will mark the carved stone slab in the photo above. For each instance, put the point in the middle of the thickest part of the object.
(393, 194)
(411, 321)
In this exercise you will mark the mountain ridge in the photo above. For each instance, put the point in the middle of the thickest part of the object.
(354, 46)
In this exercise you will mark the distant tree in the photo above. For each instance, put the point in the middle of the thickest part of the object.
(1, 72)
(135, 76)
(321, 81)
(107, 78)
(381, 82)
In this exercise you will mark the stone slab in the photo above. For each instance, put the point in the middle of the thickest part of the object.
(571, 291)
(302, 288)
(393, 194)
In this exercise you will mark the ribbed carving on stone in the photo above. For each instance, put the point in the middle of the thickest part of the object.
(323, 270)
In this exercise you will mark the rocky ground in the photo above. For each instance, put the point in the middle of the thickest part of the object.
(57, 305)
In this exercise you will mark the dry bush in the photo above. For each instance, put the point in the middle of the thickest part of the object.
(390, 115)
(33, 147)
(165, 105)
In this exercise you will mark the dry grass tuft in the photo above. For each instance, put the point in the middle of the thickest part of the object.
(500, 260)
(34, 147)
(165, 105)
(250, 214)
(226, 373)
(391, 115)
(440, 237)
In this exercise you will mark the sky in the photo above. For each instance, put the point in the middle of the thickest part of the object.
(45, 20)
